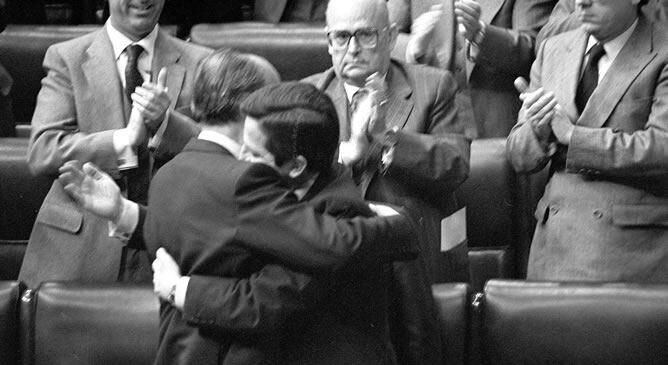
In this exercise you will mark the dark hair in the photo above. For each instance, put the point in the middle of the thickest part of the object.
(298, 119)
(222, 81)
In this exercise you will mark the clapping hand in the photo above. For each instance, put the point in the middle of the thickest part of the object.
(422, 30)
(152, 101)
(468, 17)
(92, 189)
(166, 273)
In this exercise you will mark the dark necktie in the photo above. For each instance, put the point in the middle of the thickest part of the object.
(132, 76)
(589, 79)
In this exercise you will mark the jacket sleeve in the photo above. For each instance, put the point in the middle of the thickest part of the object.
(254, 306)
(273, 222)
(56, 135)
(511, 50)
(526, 153)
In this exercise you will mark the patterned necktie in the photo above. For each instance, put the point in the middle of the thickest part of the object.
(589, 79)
(132, 76)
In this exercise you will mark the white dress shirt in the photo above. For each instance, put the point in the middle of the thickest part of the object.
(612, 49)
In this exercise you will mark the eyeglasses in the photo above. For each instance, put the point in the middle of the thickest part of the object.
(366, 38)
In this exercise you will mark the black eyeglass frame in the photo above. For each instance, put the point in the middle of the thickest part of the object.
(362, 43)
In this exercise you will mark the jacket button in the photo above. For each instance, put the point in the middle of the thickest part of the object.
(598, 214)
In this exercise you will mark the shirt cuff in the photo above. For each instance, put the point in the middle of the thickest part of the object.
(154, 141)
(127, 221)
(126, 155)
(180, 292)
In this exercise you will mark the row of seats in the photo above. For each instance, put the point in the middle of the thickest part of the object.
(499, 210)
(511, 322)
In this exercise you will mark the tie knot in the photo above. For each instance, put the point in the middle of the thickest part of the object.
(596, 52)
(133, 52)
(357, 96)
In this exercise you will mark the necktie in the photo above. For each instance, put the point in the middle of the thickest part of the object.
(132, 76)
(589, 79)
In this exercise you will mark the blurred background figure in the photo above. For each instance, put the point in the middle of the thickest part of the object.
(485, 44)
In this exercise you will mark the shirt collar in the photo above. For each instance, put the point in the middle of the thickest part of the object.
(352, 89)
(222, 140)
(614, 46)
(119, 41)
(301, 192)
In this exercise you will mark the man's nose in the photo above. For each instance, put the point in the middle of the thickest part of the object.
(353, 46)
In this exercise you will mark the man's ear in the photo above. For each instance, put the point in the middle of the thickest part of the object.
(297, 166)
(394, 33)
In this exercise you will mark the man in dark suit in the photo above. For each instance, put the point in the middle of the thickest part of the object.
(293, 128)
(486, 44)
(259, 213)
(83, 113)
(406, 148)
(596, 111)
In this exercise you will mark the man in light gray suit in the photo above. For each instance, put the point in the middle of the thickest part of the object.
(597, 112)
(83, 113)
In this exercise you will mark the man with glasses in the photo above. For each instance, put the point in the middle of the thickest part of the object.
(402, 134)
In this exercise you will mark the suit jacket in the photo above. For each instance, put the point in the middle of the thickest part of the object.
(80, 104)
(332, 319)
(506, 52)
(234, 218)
(605, 215)
(431, 160)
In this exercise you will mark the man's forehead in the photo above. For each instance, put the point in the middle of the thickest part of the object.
(354, 16)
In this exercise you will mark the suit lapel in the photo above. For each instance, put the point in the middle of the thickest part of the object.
(399, 104)
(168, 56)
(100, 71)
(489, 8)
(631, 60)
(333, 87)
(565, 75)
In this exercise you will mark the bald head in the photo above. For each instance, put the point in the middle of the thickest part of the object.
(354, 61)
(370, 10)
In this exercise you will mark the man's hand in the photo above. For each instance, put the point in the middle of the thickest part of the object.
(422, 31)
(152, 101)
(562, 127)
(468, 18)
(166, 274)
(538, 109)
(92, 189)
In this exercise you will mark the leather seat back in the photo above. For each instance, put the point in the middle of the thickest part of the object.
(21, 195)
(9, 321)
(296, 50)
(22, 50)
(88, 324)
(452, 302)
(558, 323)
